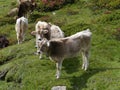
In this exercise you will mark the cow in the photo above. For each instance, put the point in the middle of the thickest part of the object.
(48, 31)
(3, 41)
(61, 48)
(25, 7)
(21, 26)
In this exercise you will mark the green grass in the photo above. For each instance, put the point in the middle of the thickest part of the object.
(27, 72)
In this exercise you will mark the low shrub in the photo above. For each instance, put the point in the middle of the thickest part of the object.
(50, 5)
(117, 34)
(59, 22)
(4, 21)
(33, 17)
(113, 17)
(72, 12)
(45, 18)
(109, 4)
(75, 27)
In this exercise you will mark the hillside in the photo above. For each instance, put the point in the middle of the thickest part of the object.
(22, 70)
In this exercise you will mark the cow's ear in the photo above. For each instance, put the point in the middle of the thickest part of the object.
(33, 33)
(48, 44)
(49, 25)
(45, 31)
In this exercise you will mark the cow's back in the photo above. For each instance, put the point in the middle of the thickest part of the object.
(56, 32)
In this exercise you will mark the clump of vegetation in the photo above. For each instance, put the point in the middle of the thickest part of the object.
(35, 15)
(50, 5)
(109, 4)
(6, 20)
(117, 34)
(112, 17)
(75, 27)
(14, 4)
(72, 12)
(45, 18)
(60, 22)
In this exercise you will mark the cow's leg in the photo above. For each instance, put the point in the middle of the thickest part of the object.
(24, 30)
(18, 38)
(40, 52)
(83, 58)
(22, 37)
(36, 41)
(58, 66)
(85, 55)
(86, 59)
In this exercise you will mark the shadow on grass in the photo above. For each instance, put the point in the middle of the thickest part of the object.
(72, 64)
(78, 83)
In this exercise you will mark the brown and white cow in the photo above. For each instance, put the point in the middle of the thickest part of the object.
(59, 49)
(48, 31)
(21, 26)
(25, 7)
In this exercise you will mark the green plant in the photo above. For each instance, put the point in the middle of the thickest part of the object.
(109, 4)
(50, 5)
(109, 18)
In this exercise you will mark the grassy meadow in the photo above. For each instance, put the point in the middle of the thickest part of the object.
(25, 71)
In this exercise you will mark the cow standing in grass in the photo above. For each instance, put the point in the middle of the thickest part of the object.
(59, 49)
(21, 27)
(48, 31)
(25, 7)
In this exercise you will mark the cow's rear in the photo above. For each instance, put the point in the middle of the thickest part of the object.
(20, 27)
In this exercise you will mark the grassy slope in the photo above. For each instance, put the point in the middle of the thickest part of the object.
(27, 72)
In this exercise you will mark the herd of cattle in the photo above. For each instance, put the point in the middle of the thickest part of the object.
(24, 6)
(50, 40)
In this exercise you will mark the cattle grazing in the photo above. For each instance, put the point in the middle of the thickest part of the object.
(59, 49)
(13, 12)
(46, 30)
(21, 27)
(25, 7)
(3, 41)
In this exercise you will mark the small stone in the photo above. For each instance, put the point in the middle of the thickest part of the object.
(59, 88)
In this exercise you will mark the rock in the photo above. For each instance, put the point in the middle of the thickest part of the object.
(59, 88)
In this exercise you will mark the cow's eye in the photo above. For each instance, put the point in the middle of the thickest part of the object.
(40, 39)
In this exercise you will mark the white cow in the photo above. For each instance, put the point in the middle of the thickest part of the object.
(59, 49)
(21, 26)
(48, 31)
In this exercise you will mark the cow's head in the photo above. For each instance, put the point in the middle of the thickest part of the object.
(43, 45)
(42, 31)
